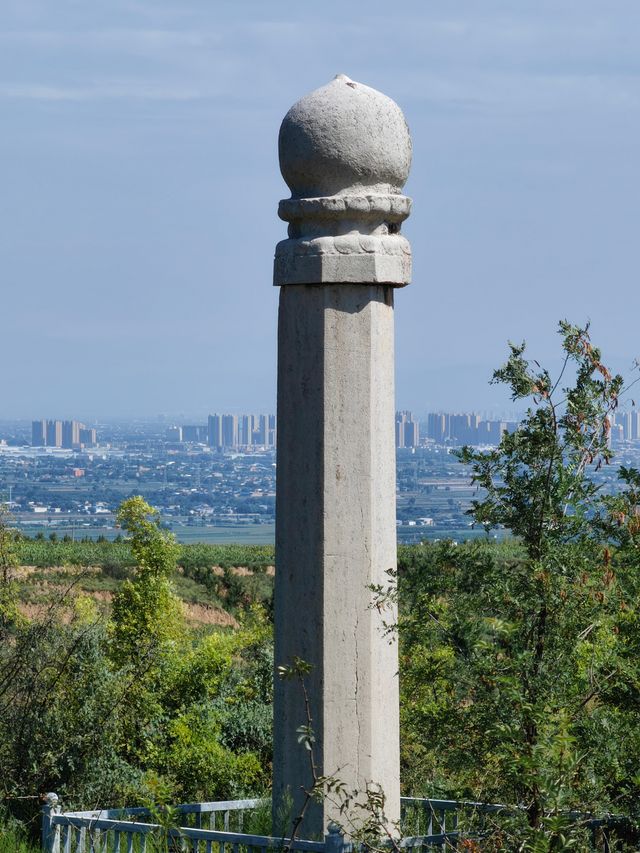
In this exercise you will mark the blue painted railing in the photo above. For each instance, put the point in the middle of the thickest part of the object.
(216, 827)
(204, 828)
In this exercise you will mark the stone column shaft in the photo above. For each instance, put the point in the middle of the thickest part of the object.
(335, 536)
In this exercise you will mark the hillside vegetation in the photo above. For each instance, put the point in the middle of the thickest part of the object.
(215, 582)
(189, 716)
(519, 661)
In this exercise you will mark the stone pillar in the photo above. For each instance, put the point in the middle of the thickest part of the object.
(345, 153)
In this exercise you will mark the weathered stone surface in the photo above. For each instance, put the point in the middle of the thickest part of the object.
(349, 259)
(342, 136)
(345, 152)
(336, 535)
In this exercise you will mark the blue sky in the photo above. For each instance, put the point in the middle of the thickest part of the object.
(139, 188)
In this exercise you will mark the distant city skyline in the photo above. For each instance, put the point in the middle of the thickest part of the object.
(246, 430)
(200, 415)
(141, 183)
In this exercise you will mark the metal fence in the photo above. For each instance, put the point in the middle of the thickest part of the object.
(202, 828)
(217, 827)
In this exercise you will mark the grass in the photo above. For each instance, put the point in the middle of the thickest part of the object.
(14, 840)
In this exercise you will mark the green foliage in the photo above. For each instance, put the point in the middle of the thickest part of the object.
(176, 714)
(145, 628)
(42, 553)
(519, 663)
(155, 551)
(138, 708)
(194, 558)
(146, 614)
(207, 573)
(206, 691)
(201, 555)
(535, 483)
(202, 767)
(59, 705)
(13, 838)
(475, 723)
(8, 562)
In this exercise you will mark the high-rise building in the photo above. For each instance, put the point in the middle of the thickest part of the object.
(407, 430)
(195, 433)
(67, 434)
(627, 426)
(617, 433)
(411, 433)
(38, 433)
(261, 430)
(214, 431)
(87, 436)
(71, 433)
(460, 431)
(490, 432)
(54, 433)
(437, 427)
(229, 430)
(241, 431)
(245, 430)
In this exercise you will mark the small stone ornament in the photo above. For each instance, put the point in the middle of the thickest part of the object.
(345, 153)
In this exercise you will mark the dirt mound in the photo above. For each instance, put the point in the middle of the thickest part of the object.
(205, 614)
(242, 571)
(23, 572)
(196, 614)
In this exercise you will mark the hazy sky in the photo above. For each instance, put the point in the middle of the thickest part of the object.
(139, 185)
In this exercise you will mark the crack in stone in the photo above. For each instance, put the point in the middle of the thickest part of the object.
(357, 710)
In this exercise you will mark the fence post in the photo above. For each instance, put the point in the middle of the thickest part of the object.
(334, 839)
(50, 833)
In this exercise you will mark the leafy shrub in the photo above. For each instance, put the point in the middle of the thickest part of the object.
(202, 767)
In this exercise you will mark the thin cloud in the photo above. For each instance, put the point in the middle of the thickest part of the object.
(112, 39)
(133, 90)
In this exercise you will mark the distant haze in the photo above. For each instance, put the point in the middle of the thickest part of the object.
(140, 185)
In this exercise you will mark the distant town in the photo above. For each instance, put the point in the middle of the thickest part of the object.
(215, 481)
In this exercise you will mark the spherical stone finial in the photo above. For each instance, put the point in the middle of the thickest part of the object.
(343, 137)
(345, 152)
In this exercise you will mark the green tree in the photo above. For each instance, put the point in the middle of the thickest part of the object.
(537, 483)
(146, 625)
(146, 612)
(193, 711)
(509, 653)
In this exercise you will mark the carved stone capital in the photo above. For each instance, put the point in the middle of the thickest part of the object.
(345, 152)
(342, 211)
(350, 239)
